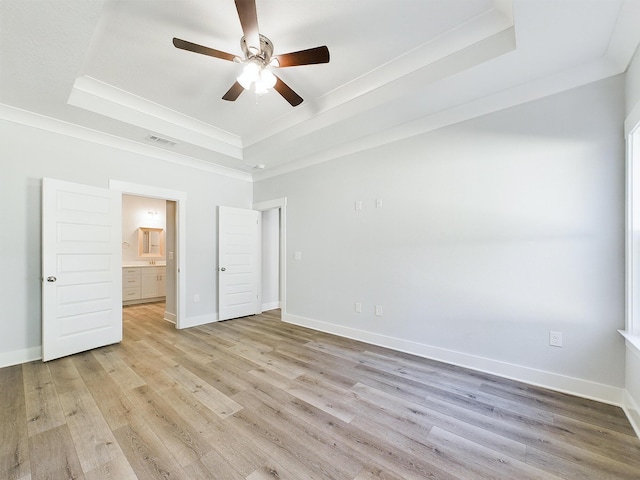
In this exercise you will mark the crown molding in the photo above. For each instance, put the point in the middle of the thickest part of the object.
(563, 81)
(100, 97)
(49, 124)
(484, 37)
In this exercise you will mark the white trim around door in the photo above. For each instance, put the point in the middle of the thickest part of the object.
(181, 205)
(280, 203)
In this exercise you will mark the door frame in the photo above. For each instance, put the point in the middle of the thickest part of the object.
(280, 203)
(181, 208)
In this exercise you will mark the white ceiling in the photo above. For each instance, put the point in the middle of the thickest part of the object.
(398, 67)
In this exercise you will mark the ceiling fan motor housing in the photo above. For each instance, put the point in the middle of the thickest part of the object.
(263, 56)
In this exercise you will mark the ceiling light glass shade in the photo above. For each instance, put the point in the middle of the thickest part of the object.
(260, 88)
(250, 74)
(267, 78)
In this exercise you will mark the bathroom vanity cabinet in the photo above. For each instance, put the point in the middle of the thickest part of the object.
(142, 284)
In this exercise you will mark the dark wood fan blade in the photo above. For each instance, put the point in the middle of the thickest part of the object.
(194, 47)
(310, 56)
(249, 21)
(234, 92)
(289, 95)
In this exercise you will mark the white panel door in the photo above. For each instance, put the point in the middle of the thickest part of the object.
(238, 262)
(81, 268)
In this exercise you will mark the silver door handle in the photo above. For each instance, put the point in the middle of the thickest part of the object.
(51, 279)
(222, 269)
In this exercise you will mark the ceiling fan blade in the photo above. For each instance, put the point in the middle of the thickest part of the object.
(194, 47)
(310, 56)
(249, 21)
(233, 93)
(289, 95)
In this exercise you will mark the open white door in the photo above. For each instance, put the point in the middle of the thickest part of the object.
(81, 268)
(238, 262)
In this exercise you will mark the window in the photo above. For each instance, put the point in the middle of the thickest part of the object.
(633, 235)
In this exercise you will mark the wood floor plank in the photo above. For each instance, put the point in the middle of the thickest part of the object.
(375, 473)
(117, 469)
(277, 448)
(121, 373)
(147, 455)
(55, 453)
(608, 416)
(41, 399)
(321, 394)
(259, 358)
(115, 407)
(212, 465)
(94, 440)
(256, 398)
(236, 449)
(14, 441)
(217, 401)
(272, 471)
(226, 376)
(482, 461)
(185, 444)
(416, 420)
(308, 444)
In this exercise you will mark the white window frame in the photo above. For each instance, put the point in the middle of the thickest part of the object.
(632, 235)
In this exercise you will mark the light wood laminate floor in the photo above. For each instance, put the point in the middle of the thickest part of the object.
(255, 398)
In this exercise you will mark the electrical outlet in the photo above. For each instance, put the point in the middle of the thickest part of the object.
(378, 203)
(196, 298)
(555, 339)
(379, 310)
(357, 307)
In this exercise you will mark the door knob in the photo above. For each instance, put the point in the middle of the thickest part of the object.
(51, 279)
(222, 269)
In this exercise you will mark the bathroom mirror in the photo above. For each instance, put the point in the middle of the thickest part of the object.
(150, 242)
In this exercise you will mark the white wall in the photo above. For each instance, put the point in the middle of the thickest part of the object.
(632, 371)
(135, 214)
(491, 233)
(28, 154)
(270, 259)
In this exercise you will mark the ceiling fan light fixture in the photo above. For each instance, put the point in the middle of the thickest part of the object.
(260, 88)
(267, 78)
(258, 57)
(250, 74)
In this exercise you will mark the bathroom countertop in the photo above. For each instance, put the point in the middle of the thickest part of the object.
(144, 264)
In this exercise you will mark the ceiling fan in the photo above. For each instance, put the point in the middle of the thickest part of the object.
(258, 56)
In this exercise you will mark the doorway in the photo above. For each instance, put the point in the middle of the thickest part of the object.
(148, 252)
(274, 253)
(175, 309)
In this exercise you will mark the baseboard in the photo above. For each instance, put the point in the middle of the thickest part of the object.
(170, 317)
(20, 356)
(139, 301)
(270, 306)
(553, 381)
(199, 320)
(632, 411)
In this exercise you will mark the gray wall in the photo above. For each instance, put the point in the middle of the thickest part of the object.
(491, 233)
(29, 154)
